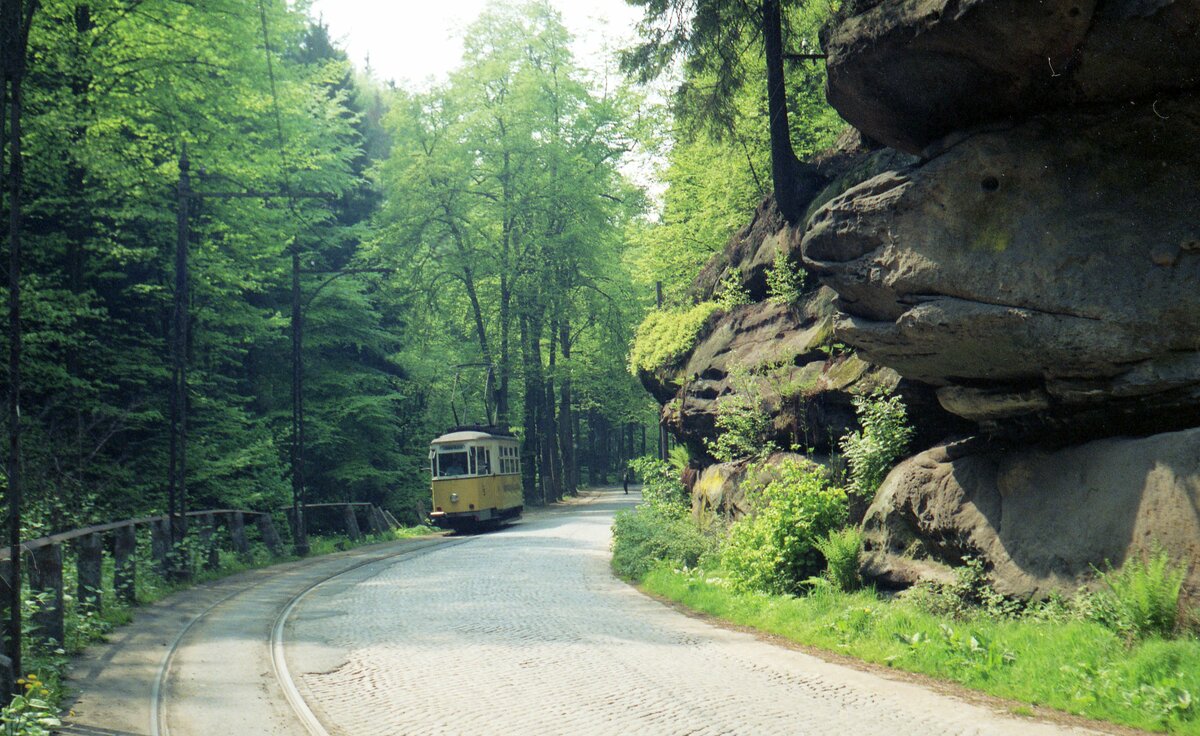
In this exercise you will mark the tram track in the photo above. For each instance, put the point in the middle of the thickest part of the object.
(159, 693)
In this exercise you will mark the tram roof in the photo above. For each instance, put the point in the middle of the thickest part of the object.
(467, 436)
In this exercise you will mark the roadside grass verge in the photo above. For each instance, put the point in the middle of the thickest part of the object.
(48, 664)
(1076, 666)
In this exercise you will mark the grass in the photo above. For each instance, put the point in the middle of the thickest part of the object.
(1076, 666)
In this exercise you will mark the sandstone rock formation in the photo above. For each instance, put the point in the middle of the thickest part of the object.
(788, 352)
(1043, 520)
(721, 488)
(907, 73)
(1021, 268)
(1037, 266)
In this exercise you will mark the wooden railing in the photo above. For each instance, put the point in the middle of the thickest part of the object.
(44, 556)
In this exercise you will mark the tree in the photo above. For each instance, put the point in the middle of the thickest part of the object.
(502, 193)
(713, 37)
(16, 20)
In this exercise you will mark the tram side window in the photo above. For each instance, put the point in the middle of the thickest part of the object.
(485, 461)
(452, 463)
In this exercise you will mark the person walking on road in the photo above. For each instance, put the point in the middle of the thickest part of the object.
(625, 480)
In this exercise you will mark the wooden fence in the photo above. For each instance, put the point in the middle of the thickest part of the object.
(44, 557)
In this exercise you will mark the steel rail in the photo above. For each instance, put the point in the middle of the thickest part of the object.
(158, 710)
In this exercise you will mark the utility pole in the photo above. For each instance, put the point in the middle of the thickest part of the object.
(178, 464)
(299, 524)
(177, 470)
(662, 428)
(300, 528)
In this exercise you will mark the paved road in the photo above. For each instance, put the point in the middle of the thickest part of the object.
(526, 632)
(523, 631)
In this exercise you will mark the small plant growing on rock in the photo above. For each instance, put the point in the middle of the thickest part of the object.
(665, 335)
(882, 441)
(730, 293)
(742, 422)
(784, 283)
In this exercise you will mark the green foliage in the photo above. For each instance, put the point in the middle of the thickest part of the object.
(649, 536)
(718, 166)
(1141, 598)
(30, 713)
(659, 531)
(970, 594)
(666, 335)
(730, 293)
(1066, 663)
(883, 439)
(679, 459)
(784, 282)
(841, 549)
(774, 550)
(742, 421)
(662, 489)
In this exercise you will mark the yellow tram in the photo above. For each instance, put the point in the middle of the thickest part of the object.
(476, 477)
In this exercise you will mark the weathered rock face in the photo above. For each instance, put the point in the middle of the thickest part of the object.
(805, 386)
(908, 72)
(1043, 520)
(721, 488)
(788, 351)
(1021, 269)
(1037, 266)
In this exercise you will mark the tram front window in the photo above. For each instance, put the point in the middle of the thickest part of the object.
(452, 463)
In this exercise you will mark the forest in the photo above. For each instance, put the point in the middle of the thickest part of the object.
(225, 230)
(242, 273)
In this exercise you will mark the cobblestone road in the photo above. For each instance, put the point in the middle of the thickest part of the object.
(524, 631)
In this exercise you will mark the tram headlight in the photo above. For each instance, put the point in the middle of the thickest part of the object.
(453, 498)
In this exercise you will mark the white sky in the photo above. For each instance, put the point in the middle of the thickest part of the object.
(410, 41)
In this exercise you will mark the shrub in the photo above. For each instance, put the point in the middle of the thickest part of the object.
(730, 293)
(882, 441)
(970, 594)
(774, 550)
(1142, 597)
(784, 283)
(742, 421)
(842, 550)
(662, 489)
(666, 335)
(648, 537)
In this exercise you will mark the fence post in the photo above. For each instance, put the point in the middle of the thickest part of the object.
(124, 564)
(350, 521)
(391, 520)
(46, 583)
(89, 555)
(237, 532)
(158, 545)
(372, 521)
(208, 546)
(270, 537)
(380, 520)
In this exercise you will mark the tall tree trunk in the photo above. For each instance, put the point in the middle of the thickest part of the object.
(593, 470)
(16, 17)
(566, 423)
(796, 183)
(605, 447)
(505, 368)
(545, 433)
(550, 430)
(533, 396)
